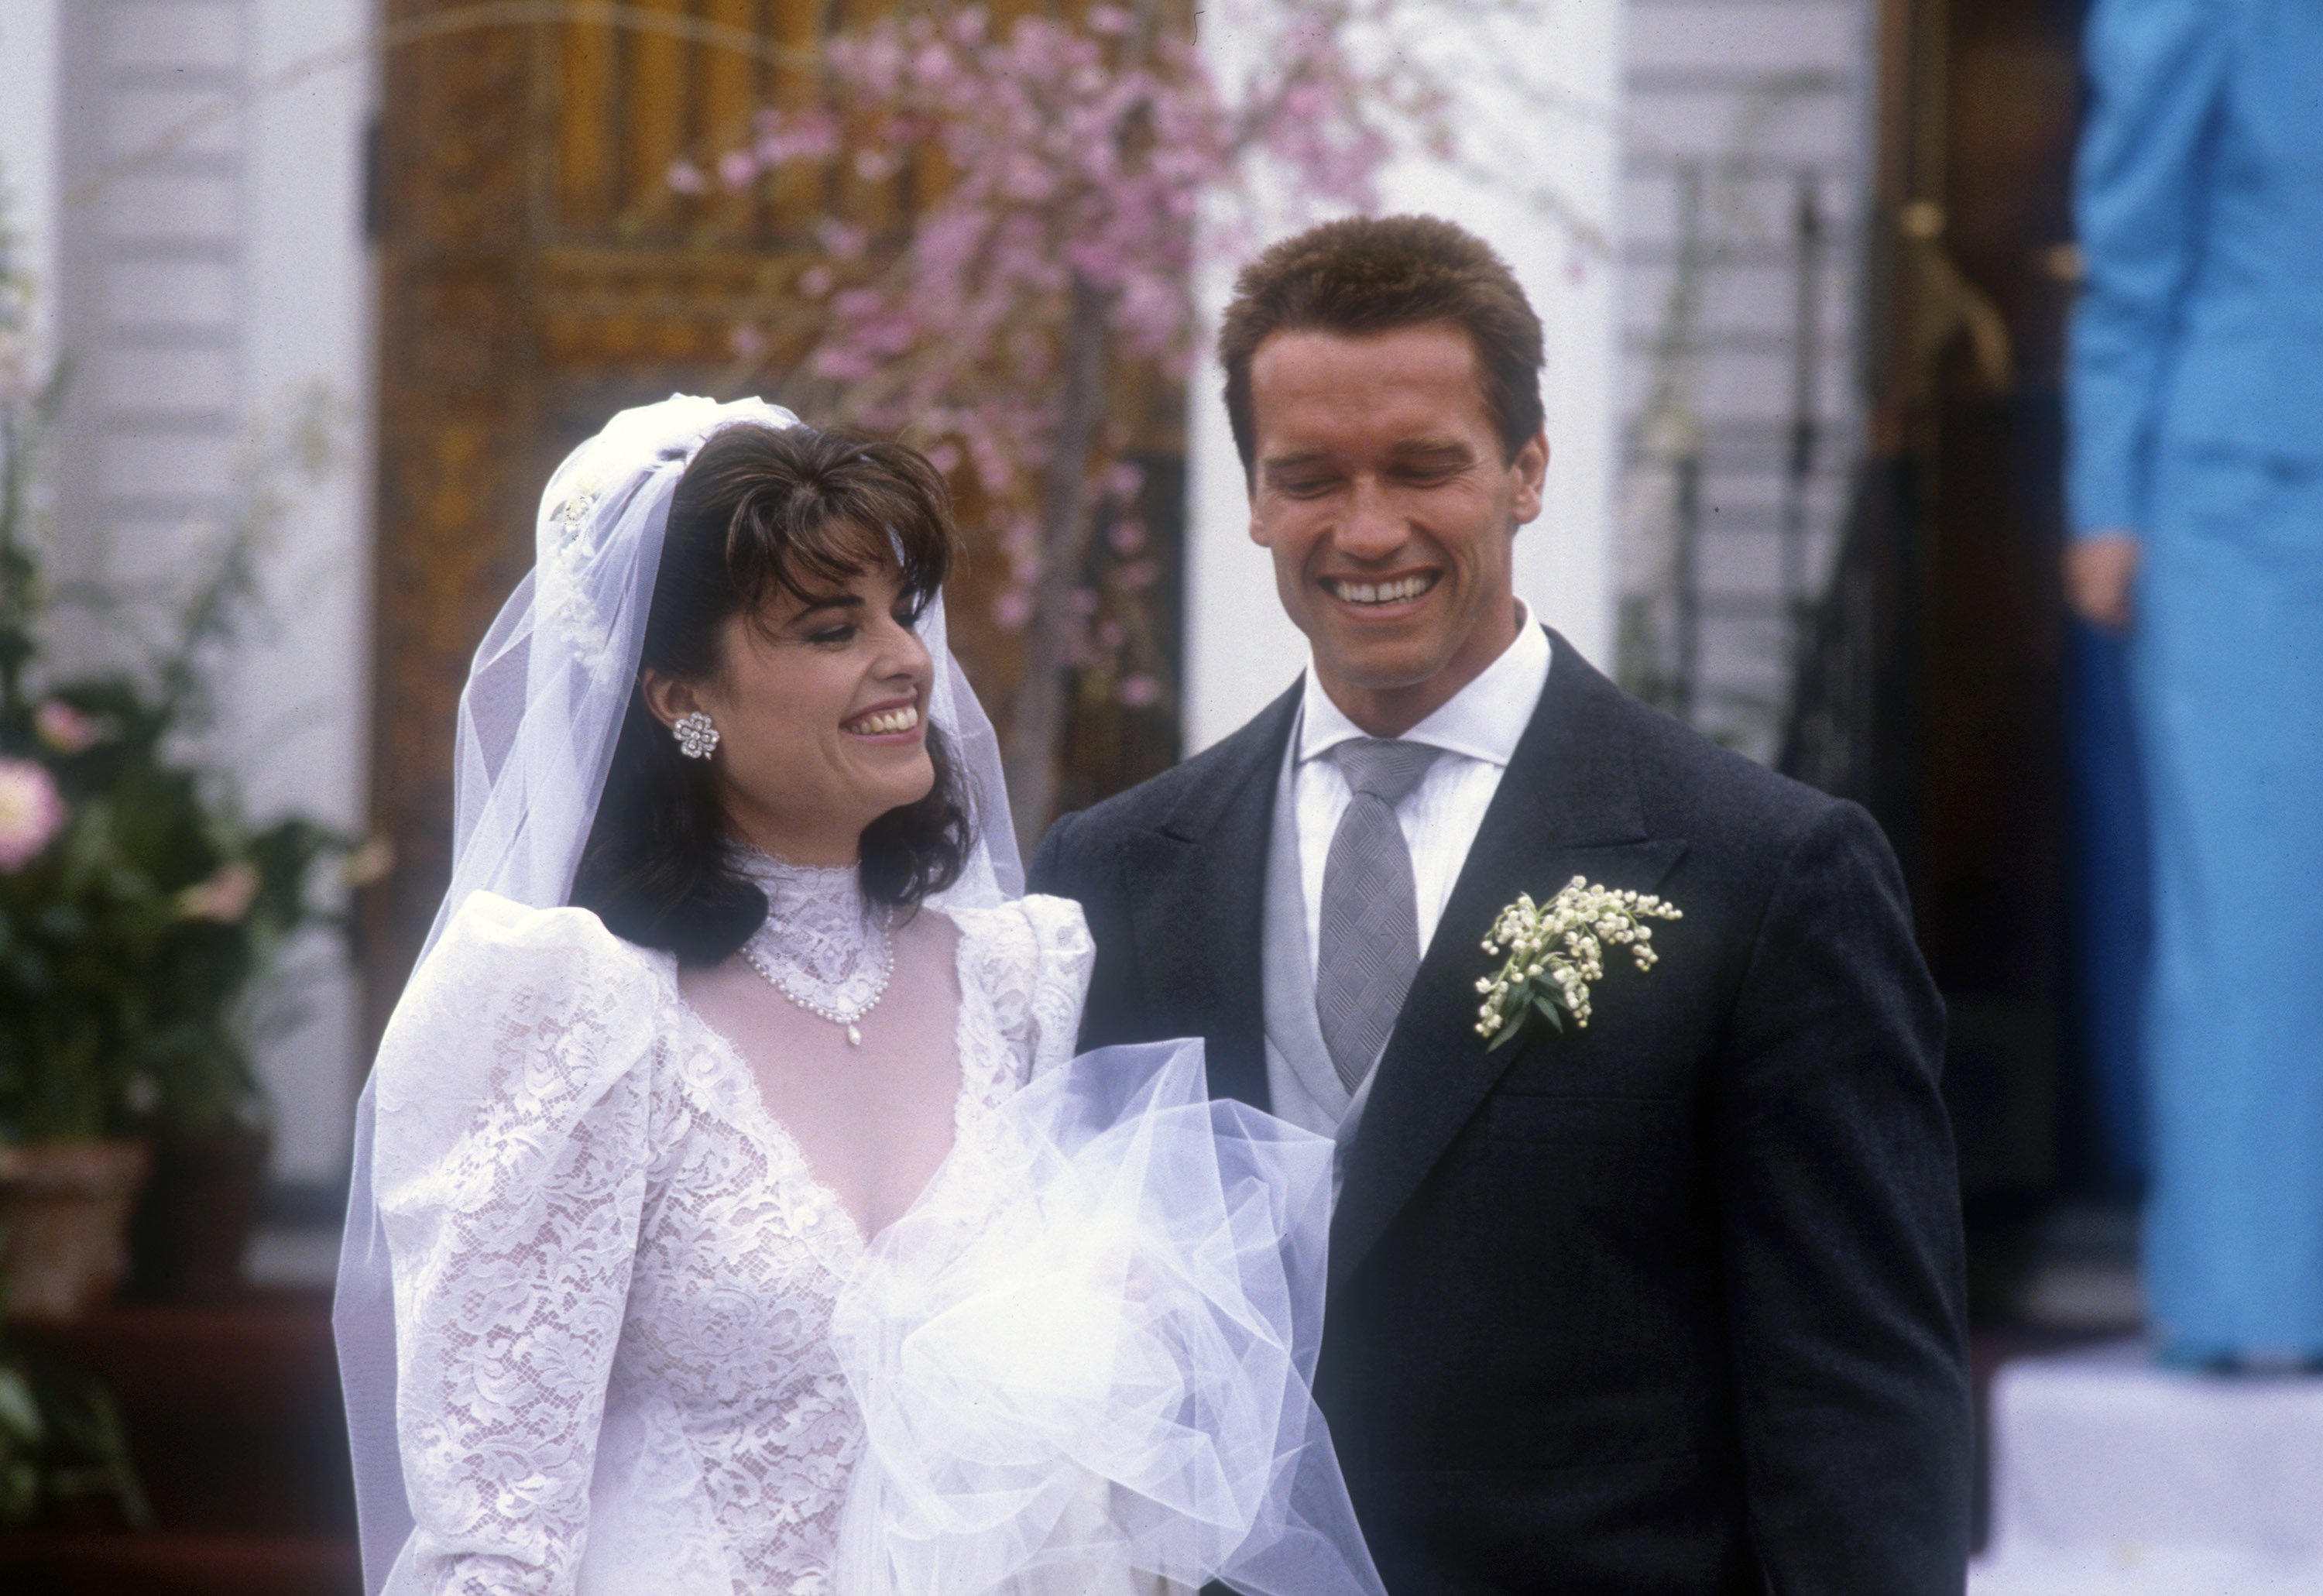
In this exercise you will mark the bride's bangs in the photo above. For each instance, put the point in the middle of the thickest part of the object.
(812, 511)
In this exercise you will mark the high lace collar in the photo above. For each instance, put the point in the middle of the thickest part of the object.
(821, 938)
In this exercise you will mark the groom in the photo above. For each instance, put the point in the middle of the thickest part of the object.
(1671, 1303)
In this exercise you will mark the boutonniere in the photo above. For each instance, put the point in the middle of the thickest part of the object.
(1555, 951)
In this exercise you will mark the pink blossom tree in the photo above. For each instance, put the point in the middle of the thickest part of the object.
(1042, 273)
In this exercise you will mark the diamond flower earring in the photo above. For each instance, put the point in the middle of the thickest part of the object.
(696, 736)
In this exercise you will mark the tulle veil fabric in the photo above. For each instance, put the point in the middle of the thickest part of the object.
(1086, 1369)
(1094, 1371)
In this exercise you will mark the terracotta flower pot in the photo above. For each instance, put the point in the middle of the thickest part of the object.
(193, 1225)
(64, 1209)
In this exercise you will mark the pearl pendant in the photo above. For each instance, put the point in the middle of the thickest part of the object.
(855, 1036)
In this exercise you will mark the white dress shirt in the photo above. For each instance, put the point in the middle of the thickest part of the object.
(1477, 731)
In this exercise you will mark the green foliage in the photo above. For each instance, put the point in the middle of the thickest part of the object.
(61, 1445)
(61, 1441)
(124, 952)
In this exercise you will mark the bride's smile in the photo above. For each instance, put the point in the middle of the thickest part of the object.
(892, 723)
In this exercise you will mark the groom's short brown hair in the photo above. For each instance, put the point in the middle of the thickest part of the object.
(1374, 274)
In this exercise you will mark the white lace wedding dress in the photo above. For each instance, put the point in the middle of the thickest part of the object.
(615, 1272)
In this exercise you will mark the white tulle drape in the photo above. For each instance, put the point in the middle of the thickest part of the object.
(1091, 1369)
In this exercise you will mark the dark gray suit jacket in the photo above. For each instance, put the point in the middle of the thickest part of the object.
(1673, 1304)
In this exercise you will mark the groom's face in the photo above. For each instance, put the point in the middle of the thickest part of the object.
(1384, 495)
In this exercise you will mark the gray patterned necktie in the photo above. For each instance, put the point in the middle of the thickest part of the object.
(1369, 947)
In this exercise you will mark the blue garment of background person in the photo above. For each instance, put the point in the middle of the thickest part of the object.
(2197, 417)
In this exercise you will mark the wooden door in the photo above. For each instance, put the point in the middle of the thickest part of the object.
(1933, 692)
(1995, 866)
(540, 271)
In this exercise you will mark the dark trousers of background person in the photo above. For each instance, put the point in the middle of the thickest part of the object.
(2112, 917)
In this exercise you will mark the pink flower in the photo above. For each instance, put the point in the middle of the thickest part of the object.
(840, 238)
(686, 177)
(1121, 482)
(808, 136)
(64, 727)
(1012, 609)
(841, 365)
(225, 897)
(737, 169)
(1138, 691)
(934, 66)
(31, 812)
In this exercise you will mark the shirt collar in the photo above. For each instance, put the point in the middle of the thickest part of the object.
(1483, 720)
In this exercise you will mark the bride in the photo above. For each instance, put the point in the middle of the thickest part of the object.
(730, 1213)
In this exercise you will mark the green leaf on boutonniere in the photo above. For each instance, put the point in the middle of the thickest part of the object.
(1514, 1026)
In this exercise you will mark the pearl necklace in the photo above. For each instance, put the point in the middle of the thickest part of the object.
(781, 984)
(821, 945)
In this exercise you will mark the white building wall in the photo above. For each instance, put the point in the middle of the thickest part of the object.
(1747, 99)
(28, 146)
(1538, 97)
(212, 270)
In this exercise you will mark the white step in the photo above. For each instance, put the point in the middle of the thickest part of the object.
(2112, 1477)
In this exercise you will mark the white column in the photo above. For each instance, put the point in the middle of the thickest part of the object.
(212, 271)
(300, 726)
(1554, 134)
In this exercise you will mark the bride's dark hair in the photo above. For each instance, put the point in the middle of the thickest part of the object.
(762, 512)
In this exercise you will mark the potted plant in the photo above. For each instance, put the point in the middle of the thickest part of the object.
(139, 914)
(142, 934)
(63, 1453)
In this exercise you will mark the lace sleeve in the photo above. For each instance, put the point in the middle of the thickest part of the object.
(514, 1108)
(1033, 956)
(1060, 978)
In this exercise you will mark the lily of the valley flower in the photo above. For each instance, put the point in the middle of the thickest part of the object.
(1555, 951)
(31, 812)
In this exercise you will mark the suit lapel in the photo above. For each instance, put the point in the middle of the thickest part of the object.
(1567, 805)
(1199, 911)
